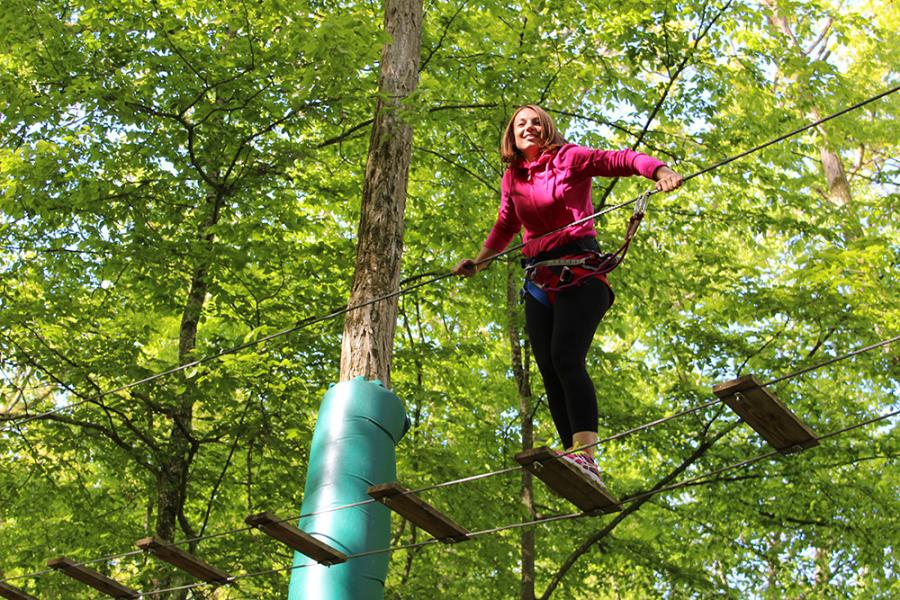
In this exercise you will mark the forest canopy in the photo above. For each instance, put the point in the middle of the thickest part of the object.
(181, 179)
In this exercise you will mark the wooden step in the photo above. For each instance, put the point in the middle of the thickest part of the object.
(766, 414)
(11, 593)
(90, 577)
(295, 538)
(418, 512)
(168, 552)
(568, 481)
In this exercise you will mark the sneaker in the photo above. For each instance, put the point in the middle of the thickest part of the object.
(585, 463)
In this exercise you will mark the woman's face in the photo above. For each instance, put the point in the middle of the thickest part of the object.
(528, 131)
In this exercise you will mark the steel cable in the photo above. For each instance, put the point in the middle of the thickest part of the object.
(341, 311)
(489, 474)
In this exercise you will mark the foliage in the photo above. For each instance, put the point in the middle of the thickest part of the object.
(146, 142)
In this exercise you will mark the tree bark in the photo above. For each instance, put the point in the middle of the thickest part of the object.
(838, 192)
(172, 478)
(835, 176)
(369, 331)
(520, 366)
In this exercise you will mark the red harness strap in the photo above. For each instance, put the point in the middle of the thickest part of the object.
(552, 276)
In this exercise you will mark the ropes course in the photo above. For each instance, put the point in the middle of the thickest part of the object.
(642, 496)
(481, 476)
(337, 312)
(427, 279)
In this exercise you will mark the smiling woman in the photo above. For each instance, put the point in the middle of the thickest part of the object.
(533, 131)
(547, 184)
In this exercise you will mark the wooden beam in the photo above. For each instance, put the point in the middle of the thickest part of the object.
(96, 580)
(11, 593)
(295, 538)
(168, 552)
(766, 414)
(568, 481)
(418, 512)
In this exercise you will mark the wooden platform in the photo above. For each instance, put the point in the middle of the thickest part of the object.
(766, 414)
(568, 481)
(11, 593)
(418, 512)
(185, 561)
(96, 580)
(296, 538)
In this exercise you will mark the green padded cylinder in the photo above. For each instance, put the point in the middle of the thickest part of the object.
(359, 424)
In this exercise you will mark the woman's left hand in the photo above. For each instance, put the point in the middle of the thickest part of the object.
(667, 179)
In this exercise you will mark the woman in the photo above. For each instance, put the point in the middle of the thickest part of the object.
(546, 186)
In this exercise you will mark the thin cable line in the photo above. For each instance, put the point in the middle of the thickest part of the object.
(26, 576)
(634, 498)
(341, 311)
(597, 443)
(721, 163)
(571, 516)
(785, 136)
(750, 461)
(833, 360)
(445, 484)
(488, 474)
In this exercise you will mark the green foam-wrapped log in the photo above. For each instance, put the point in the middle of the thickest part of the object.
(359, 424)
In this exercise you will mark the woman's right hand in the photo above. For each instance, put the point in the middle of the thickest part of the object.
(465, 268)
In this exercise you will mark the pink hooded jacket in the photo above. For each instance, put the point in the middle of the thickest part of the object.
(555, 190)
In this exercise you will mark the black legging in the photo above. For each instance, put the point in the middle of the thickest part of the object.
(560, 338)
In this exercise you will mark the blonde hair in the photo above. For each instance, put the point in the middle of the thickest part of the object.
(550, 136)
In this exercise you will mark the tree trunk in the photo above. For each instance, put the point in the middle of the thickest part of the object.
(179, 452)
(520, 365)
(838, 186)
(838, 192)
(822, 573)
(369, 331)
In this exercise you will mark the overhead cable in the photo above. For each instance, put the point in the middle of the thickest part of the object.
(571, 516)
(402, 291)
(489, 474)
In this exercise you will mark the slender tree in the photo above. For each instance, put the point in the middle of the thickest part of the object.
(837, 186)
(369, 331)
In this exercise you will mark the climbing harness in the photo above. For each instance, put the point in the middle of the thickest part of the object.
(551, 272)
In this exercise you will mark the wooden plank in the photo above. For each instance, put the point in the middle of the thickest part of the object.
(96, 580)
(168, 552)
(295, 538)
(568, 481)
(11, 593)
(766, 414)
(417, 511)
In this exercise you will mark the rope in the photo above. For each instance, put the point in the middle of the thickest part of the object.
(489, 474)
(886, 342)
(576, 515)
(402, 291)
(703, 171)
(364, 502)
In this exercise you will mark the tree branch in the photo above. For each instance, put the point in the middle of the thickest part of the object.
(215, 488)
(481, 179)
(108, 433)
(671, 83)
(440, 41)
(630, 509)
(96, 399)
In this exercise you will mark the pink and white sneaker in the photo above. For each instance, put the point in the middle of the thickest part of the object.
(585, 463)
